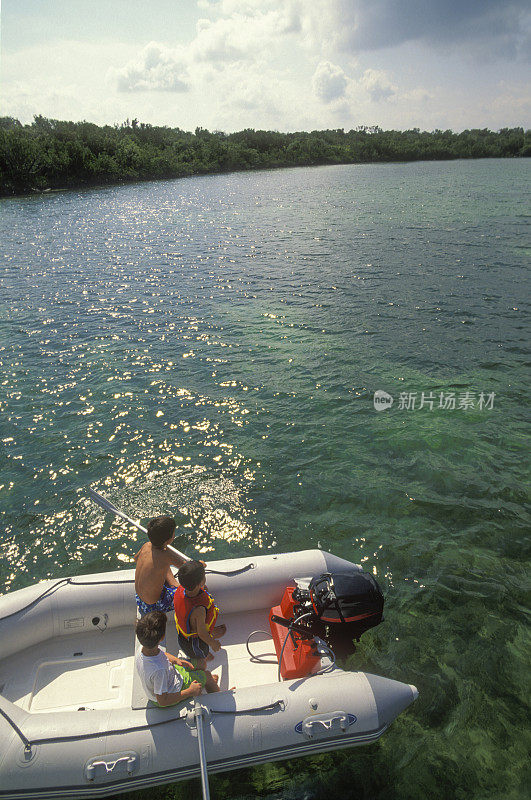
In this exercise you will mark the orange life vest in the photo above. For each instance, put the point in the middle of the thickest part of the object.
(184, 605)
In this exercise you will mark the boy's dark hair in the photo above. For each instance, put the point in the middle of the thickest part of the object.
(191, 574)
(151, 628)
(160, 529)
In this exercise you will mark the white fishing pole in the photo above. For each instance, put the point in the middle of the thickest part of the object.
(108, 506)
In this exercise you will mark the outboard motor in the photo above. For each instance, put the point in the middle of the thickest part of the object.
(334, 607)
(345, 605)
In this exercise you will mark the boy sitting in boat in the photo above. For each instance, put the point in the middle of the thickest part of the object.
(196, 615)
(154, 581)
(166, 679)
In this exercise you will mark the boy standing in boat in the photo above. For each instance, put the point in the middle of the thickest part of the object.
(155, 584)
(196, 615)
(166, 679)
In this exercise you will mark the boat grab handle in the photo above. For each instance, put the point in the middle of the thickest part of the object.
(130, 761)
(319, 725)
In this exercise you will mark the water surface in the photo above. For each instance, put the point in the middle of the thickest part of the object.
(213, 345)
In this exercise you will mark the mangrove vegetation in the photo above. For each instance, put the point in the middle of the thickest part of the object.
(53, 154)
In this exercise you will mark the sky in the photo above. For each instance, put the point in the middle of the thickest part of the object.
(281, 65)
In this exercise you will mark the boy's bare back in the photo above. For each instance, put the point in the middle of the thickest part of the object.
(155, 583)
(152, 570)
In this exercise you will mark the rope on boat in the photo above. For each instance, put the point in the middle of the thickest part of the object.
(28, 744)
(271, 707)
(56, 585)
(230, 572)
(25, 742)
(73, 582)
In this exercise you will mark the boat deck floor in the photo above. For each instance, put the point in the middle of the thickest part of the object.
(95, 670)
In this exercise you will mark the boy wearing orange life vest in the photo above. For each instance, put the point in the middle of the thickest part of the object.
(196, 615)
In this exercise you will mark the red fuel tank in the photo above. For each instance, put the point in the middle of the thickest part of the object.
(299, 658)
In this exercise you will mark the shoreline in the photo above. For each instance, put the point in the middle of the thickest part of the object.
(99, 184)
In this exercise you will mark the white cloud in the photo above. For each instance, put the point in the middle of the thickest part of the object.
(329, 82)
(377, 84)
(246, 96)
(418, 97)
(287, 11)
(279, 64)
(244, 30)
(157, 68)
(231, 39)
(512, 103)
(63, 80)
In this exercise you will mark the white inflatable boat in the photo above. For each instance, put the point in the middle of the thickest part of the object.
(74, 721)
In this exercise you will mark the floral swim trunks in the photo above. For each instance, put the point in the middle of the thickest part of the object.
(164, 603)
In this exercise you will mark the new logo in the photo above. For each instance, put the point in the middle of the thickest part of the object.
(382, 400)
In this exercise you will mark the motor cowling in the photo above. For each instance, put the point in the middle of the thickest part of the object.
(345, 605)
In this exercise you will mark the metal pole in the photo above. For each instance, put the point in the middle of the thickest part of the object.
(108, 506)
(198, 712)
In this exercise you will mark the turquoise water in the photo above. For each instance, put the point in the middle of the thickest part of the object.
(213, 345)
